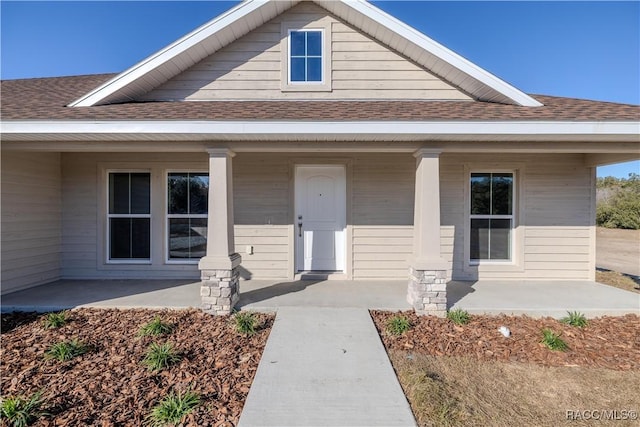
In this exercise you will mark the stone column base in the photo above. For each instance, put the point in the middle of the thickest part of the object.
(220, 290)
(428, 291)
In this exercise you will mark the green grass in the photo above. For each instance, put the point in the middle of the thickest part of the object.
(156, 327)
(19, 411)
(398, 325)
(552, 341)
(65, 350)
(459, 316)
(160, 356)
(575, 318)
(246, 323)
(55, 320)
(172, 409)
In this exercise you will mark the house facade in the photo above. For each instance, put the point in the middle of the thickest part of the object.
(286, 138)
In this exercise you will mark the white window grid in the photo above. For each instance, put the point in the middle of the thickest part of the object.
(306, 30)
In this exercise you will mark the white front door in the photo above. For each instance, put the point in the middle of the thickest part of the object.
(320, 217)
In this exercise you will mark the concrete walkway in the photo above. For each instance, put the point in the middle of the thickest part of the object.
(325, 367)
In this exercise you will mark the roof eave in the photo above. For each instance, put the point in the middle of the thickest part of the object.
(613, 131)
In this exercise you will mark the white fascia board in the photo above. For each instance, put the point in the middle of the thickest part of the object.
(442, 52)
(249, 128)
(166, 54)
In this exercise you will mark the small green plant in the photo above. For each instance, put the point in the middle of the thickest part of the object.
(172, 409)
(553, 341)
(20, 411)
(65, 350)
(575, 318)
(246, 323)
(155, 327)
(459, 316)
(55, 320)
(161, 356)
(398, 325)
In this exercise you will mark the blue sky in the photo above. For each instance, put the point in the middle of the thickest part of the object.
(565, 48)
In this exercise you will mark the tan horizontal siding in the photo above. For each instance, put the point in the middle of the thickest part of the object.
(250, 68)
(261, 189)
(383, 189)
(31, 219)
(83, 235)
(381, 251)
(555, 226)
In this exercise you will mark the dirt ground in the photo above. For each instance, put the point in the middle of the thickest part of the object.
(618, 250)
(471, 375)
(464, 392)
(110, 386)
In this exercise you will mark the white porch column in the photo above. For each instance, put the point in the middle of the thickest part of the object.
(219, 288)
(428, 270)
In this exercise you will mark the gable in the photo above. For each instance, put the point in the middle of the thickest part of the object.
(249, 15)
(252, 68)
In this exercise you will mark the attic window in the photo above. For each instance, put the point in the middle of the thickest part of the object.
(306, 56)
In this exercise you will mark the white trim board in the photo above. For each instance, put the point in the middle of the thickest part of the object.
(306, 128)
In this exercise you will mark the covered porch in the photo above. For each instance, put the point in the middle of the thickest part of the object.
(532, 298)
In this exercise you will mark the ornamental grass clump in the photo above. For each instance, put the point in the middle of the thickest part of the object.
(459, 316)
(19, 411)
(173, 408)
(65, 350)
(246, 323)
(552, 341)
(160, 356)
(55, 320)
(398, 325)
(575, 318)
(156, 327)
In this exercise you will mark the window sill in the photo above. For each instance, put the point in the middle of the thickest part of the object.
(178, 262)
(303, 87)
(128, 262)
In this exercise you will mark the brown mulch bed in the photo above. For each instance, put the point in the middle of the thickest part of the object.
(109, 385)
(607, 342)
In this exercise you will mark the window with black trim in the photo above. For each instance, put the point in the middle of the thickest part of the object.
(129, 216)
(491, 216)
(187, 208)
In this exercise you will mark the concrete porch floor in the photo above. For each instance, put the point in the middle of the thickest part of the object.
(534, 298)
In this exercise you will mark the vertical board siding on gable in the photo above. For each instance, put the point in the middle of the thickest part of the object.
(556, 226)
(249, 68)
(31, 217)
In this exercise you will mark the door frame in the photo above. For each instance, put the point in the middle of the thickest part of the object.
(345, 162)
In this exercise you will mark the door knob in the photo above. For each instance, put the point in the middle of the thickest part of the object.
(299, 225)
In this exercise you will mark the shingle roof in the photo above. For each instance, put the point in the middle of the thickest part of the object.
(46, 99)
